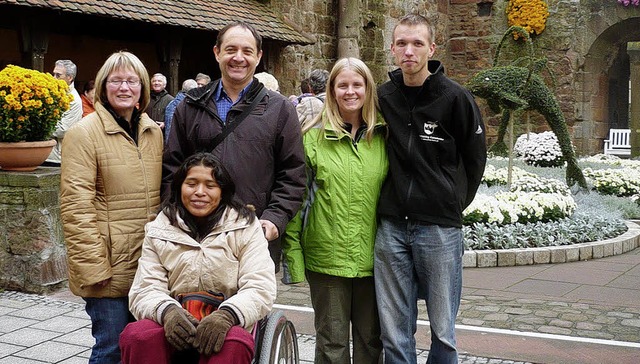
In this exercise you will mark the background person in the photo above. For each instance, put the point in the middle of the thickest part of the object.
(347, 162)
(202, 79)
(264, 154)
(204, 239)
(160, 98)
(65, 70)
(437, 154)
(305, 90)
(109, 189)
(88, 93)
(171, 107)
(268, 80)
(309, 106)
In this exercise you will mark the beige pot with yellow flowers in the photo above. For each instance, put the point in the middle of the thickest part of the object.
(31, 103)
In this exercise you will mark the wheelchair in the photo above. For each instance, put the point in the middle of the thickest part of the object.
(275, 340)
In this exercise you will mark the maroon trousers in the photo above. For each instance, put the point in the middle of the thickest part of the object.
(143, 342)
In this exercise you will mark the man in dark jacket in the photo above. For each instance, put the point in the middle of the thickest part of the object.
(263, 154)
(437, 154)
(160, 98)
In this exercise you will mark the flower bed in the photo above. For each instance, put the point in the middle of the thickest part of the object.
(530, 199)
(618, 182)
(541, 211)
(567, 231)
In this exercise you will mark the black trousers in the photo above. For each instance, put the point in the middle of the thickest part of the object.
(275, 250)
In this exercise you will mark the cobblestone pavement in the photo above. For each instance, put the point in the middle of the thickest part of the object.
(36, 329)
(549, 315)
(599, 300)
(298, 295)
(524, 314)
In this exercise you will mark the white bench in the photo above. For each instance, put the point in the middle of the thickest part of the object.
(618, 142)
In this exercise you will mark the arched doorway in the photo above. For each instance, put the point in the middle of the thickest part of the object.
(603, 79)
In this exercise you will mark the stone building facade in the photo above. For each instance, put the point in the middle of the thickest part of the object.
(591, 47)
(585, 43)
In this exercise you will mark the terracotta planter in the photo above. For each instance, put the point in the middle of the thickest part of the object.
(24, 156)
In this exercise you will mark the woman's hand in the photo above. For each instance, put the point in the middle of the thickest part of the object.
(212, 330)
(270, 230)
(179, 327)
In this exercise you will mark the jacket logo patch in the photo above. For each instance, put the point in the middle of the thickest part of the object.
(429, 128)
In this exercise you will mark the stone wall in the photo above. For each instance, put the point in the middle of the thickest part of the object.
(32, 250)
(316, 18)
(319, 18)
(584, 42)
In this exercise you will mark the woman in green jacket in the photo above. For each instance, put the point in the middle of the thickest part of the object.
(330, 241)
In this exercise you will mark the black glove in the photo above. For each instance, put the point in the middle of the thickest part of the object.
(179, 327)
(212, 330)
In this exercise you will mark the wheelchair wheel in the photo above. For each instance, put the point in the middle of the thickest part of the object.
(279, 344)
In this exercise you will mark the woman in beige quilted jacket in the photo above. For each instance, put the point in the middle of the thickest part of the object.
(110, 187)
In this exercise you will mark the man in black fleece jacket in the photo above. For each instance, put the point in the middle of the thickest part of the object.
(437, 154)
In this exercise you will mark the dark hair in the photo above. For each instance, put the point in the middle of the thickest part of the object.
(173, 205)
(318, 80)
(305, 87)
(88, 86)
(241, 24)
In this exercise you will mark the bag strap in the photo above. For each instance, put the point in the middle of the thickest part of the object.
(230, 127)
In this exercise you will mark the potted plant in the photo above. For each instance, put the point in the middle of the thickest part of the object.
(31, 103)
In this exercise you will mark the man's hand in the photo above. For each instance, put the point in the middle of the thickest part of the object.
(179, 327)
(270, 230)
(212, 330)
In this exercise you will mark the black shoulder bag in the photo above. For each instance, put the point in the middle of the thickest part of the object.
(230, 127)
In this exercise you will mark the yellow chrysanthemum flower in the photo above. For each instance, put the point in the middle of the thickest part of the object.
(530, 14)
(31, 103)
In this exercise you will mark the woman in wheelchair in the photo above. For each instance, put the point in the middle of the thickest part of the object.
(204, 247)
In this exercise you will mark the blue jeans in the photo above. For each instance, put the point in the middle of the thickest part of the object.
(109, 316)
(414, 261)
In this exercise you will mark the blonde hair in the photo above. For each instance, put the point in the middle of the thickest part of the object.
(331, 113)
(268, 80)
(118, 61)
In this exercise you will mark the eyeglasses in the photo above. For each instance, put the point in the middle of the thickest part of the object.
(118, 83)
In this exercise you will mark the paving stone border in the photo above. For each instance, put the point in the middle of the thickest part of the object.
(29, 299)
(555, 254)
